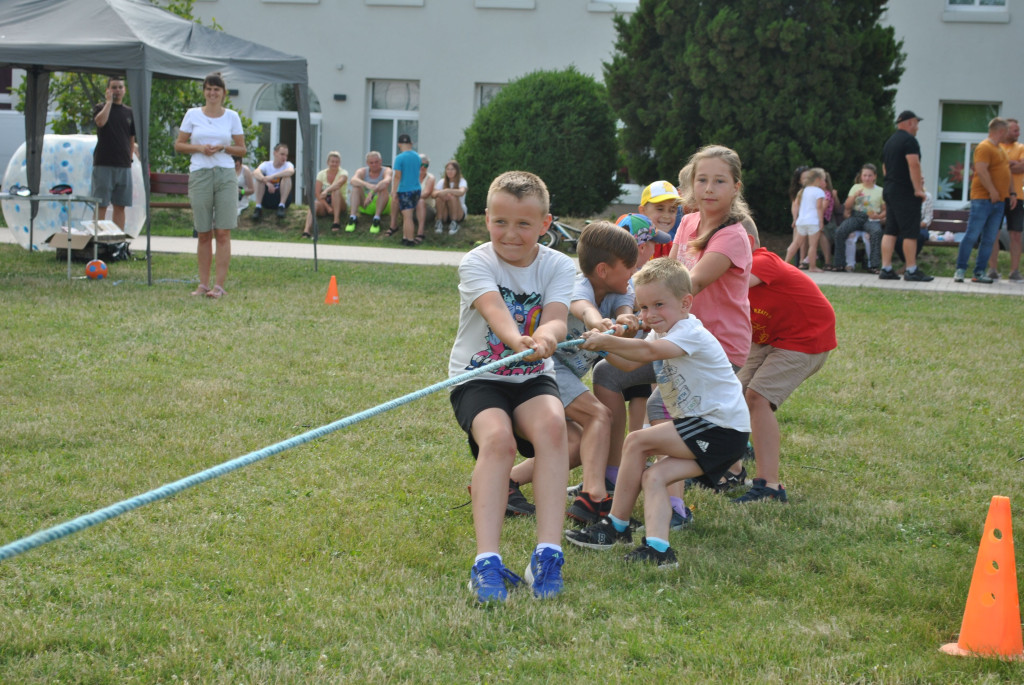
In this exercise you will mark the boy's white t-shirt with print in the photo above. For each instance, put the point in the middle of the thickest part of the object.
(526, 291)
(581, 361)
(700, 383)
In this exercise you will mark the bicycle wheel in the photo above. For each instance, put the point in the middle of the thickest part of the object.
(551, 238)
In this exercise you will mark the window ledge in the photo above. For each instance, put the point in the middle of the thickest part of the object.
(1001, 16)
(506, 4)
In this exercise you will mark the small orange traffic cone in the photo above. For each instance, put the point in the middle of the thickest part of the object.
(991, 625)
(332, 292)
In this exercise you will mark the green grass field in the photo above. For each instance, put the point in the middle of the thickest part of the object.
(346, 560)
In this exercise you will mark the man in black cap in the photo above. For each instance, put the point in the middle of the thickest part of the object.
(903, 193)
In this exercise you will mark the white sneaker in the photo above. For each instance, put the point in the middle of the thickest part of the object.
(453, 227)
(439, 227)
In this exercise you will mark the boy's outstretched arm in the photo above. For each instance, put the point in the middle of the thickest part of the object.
(545, 339)
(630, 353)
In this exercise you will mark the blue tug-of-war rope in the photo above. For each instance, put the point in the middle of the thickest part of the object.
(23, 545)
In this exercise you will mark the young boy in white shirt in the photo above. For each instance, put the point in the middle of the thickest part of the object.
(710, 422)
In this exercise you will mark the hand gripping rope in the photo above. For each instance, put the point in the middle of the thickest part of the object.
(43, 537)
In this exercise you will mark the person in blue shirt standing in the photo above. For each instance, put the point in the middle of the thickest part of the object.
(407, 188)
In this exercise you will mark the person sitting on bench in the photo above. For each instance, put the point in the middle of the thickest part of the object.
(274, 183)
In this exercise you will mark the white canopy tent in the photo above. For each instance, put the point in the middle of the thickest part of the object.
(141, 41)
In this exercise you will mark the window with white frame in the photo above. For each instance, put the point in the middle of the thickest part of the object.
(977, 11)
(485, 92)
(394, 110)
(976, 4)
(962, 127)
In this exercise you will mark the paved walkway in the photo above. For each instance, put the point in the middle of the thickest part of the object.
(395, 255)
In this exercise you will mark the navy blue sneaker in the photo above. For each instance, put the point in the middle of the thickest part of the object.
(646, 553)
(760, 491)
(544, 574)
(487, 580)
(601, 535)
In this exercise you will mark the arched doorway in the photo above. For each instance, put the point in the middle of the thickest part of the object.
(277, 114)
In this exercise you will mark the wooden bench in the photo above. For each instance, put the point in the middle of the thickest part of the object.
(952, 220)
(169, 184)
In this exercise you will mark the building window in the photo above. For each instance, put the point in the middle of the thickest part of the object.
(485, 92)
(394, 110)
(962, 127)
(978, 11)
(976, 4)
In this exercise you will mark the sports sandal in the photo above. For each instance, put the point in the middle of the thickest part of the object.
(390, 232)
(201, 290)
(418, 239)
(217, 292)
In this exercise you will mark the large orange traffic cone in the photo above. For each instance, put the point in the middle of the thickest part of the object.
(332, 292)
(991, 624)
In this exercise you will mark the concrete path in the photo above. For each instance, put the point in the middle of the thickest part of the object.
(396, 255)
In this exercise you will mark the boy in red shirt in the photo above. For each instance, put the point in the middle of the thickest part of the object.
(794, 329)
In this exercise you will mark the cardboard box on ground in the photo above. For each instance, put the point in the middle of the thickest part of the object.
(111, 242)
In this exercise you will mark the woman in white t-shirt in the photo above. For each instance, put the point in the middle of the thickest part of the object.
(212, 134)
(450, 199)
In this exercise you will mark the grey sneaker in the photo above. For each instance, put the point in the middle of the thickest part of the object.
(993, 274)
(453, 227)
(601, 535)
(979, 278)
(958, 276)
(888, 275)
(917, 274)
(439, 227)
(1015, 277)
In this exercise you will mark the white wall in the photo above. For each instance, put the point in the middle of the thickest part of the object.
(446, 45)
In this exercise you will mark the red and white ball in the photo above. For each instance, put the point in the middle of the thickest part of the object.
(96, 269)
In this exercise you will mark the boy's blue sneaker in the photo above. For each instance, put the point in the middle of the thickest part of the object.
(679, 522)
(544, 574)
(487, 579)
(601, 535)
(760, 491)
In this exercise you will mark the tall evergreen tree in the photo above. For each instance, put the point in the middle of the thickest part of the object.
(783, 83)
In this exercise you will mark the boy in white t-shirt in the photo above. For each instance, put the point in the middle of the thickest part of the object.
(810, 217)
(514, 296)
(710, 421)
(274, 182)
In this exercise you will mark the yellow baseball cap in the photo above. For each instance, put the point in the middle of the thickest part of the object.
(659, 191)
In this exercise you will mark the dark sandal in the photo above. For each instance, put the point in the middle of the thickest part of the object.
(335, 228)
(418, 239)
(390, 232)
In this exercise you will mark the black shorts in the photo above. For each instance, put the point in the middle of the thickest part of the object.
(903, 216)
(716, 448)
(1015, 216)
(637, 391)
(472, 397)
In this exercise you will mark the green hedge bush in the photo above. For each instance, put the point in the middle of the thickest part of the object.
(556, 124)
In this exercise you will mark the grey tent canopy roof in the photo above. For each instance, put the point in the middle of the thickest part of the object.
(140, 40)
(109, 36)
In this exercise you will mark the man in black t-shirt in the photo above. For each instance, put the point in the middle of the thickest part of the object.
(903, 193)
(112, 157)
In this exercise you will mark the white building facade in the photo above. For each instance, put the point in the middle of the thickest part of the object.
(378, 68)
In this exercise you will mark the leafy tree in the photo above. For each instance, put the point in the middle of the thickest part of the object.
(556, 124)
(783, 83)
(73, 95)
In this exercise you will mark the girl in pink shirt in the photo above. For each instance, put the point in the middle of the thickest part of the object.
(714, 246)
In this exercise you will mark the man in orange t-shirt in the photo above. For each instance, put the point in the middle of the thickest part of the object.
(1014, 217)
(990, 188)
